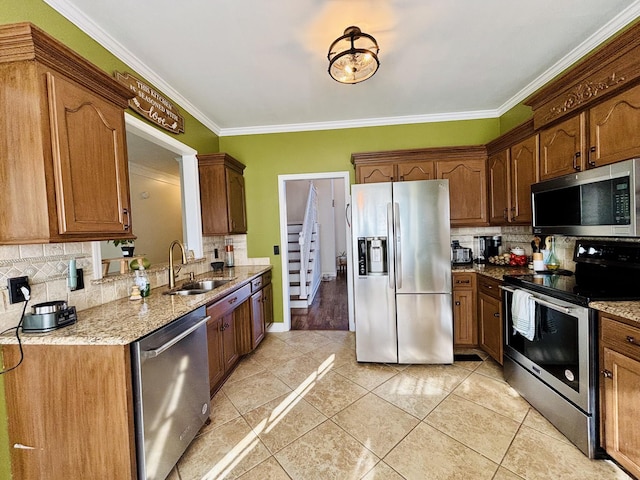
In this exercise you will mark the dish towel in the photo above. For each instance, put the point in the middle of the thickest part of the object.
(523, 314)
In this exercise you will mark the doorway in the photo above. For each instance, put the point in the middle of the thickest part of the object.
(341, 275)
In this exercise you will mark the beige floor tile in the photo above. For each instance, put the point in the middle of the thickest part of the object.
(270, 469)
(382, 471)
(504, 474)
(285, 335)
(427, 453)
(335, 353)
(477, 427)
(376, 423)
(308, 342)
(470, 364)
(535, 420)
(413, 395)
(254, 391)
(332, 393)
(173, 475)
(493, 394)
(492, 369)
(536, 456)
(444, 377)
(272, 350)
(225, 452)
(300, 371)
(283, 420)
(247, 367)
(339, 336)
(367, 375)
(326, 452)
(222, 411)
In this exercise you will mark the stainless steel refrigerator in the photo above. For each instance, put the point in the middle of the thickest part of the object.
(402, 281)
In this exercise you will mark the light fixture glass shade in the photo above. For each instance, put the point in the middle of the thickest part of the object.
(353, 57)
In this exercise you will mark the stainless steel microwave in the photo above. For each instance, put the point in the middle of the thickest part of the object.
(602, 201)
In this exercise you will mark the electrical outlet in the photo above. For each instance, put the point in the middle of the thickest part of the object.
(15, 294)
(276, 249)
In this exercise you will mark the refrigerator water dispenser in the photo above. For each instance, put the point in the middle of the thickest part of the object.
(372, 256)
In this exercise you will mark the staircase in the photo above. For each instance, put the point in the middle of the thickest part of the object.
(303, 248)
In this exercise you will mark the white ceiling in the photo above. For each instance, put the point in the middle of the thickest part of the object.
(255, 66)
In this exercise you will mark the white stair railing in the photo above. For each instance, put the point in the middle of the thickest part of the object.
(305, 237)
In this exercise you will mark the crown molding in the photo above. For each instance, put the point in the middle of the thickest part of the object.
(153, 174)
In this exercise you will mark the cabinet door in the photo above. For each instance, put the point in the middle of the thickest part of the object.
(464, 308)
(562, 148)
(490, 324)
(621, 409)
(230, 347)
(89, 160)
(236, 202)
(215, 346)
(499, 188)
(415, 171)
(257, 318)
(376, 173)
(267, 305)
(613, 129)
(467, 190)
(524, 161)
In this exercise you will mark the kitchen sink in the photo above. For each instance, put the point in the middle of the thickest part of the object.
(195, 288)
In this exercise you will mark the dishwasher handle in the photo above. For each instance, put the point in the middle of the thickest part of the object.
(163, 348)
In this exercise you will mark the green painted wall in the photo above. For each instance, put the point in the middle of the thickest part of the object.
(514, 117)
(267, 156)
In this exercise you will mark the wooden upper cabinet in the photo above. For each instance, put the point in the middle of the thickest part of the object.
(562, 148)
(467, 190)
(415, 171)
(499, 192)
(222, 194)
(376, 173)
(613, 129)
(64, 159)
(522, 172)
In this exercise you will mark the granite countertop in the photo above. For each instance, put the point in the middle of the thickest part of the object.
(124, 321)
(627, 309)
(488, 270)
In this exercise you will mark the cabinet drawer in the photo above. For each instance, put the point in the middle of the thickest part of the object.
(260, 282)
(229, 303)
(464, 281)
(621, 337)
(489, 286)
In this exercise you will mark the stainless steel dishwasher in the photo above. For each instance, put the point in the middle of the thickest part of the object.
(171, 392)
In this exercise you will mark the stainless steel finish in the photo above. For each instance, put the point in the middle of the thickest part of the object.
(575, 424)
(546, 303)
(616, 170)
(171, 392)
(197, 288)
(407, 317)
(48, 307)
(172, 272)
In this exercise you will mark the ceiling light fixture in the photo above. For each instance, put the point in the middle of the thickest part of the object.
(353, 57)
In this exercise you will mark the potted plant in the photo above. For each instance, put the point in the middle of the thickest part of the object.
(126, 245)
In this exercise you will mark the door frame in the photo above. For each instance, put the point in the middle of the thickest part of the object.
(284, 253)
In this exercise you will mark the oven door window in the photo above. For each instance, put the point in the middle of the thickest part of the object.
(554, 347)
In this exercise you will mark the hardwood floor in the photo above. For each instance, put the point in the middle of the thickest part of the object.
(329, 309)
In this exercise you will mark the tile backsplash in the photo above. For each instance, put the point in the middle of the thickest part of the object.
(46, 266)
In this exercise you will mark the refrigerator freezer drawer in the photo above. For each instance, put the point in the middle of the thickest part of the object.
(425, 328)
(376, 339)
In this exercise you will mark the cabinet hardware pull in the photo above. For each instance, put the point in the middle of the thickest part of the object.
(457, 304)
(576, 167)
(591, 163)
(226, 325)
(125, 213)
(233, 300)
(222, 328)
(504, 213)
(402, 178)
(497, 315)
(513, 214)
(631, 340)
(607, 374)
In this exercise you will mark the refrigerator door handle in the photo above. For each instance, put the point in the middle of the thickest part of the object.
(397, 238)
(390, 248)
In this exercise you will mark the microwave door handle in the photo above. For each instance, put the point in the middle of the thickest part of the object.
(390, 248)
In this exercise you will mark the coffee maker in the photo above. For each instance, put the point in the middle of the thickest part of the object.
(486, 246)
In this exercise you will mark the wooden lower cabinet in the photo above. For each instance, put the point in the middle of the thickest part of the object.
(223, 339)
(464, 310)
(72, 407)
(490, 317)
(620, 391)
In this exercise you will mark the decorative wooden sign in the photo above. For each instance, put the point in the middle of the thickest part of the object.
(151, 105)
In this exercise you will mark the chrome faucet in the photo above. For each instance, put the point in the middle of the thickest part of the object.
(172, 273)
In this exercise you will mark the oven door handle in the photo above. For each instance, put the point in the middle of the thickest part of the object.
(551, 305)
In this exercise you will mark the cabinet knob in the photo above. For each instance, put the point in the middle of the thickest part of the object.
(632, 340)
(607, 374)
(457, 304)
(497, 315)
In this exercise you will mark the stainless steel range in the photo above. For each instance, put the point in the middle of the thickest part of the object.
(552, 361)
